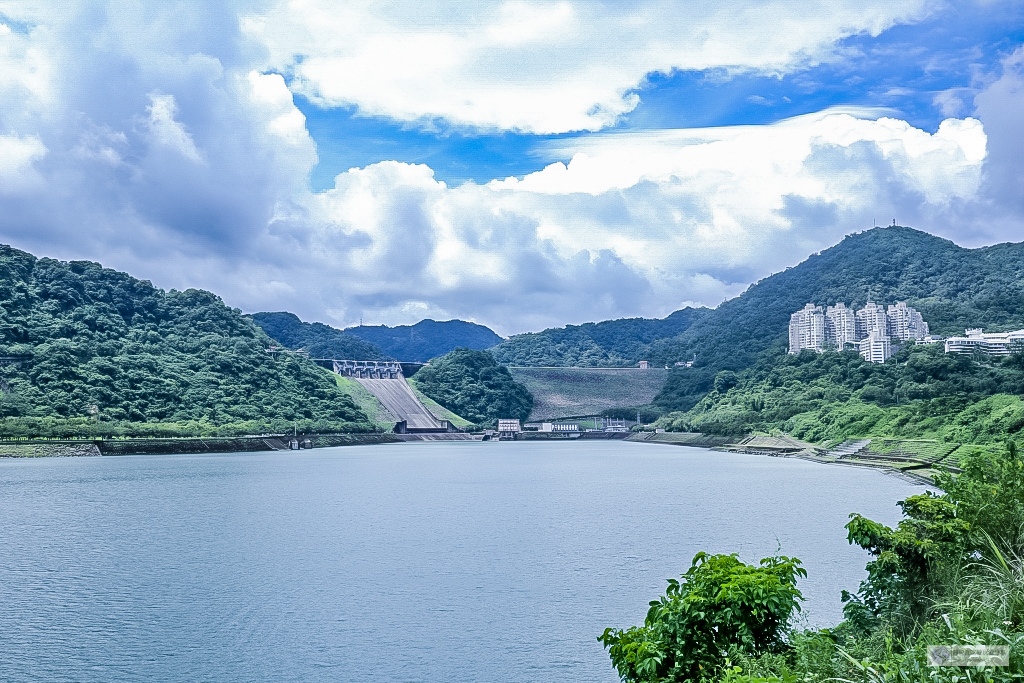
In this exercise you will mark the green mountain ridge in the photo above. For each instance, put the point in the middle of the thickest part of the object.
(93, 351)
(320, 340)
(426, 339)
(611, 343)
(953, 287)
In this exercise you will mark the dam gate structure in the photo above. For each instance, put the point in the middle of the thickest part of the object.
(363, 369)
(386, 381)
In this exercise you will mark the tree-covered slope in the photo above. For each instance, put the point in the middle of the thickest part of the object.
(612, 343)
(921, 392)
(321, 341)
(953, 288)
(426, 339)
(92, 351)
(471, 384)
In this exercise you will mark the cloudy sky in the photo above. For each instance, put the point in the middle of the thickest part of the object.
(520, 164)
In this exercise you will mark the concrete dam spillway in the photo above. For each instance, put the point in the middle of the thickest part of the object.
(386, 381)
(398, 397)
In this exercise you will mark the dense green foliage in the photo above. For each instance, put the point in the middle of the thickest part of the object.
(426, 339)
(103, 353)
(954, 288)
(721, 608)
(950, 573)
(919, 392)
(471, 384)
(613, 343)
(321, 341)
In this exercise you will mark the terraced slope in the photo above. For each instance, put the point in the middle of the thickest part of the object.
(568, 392)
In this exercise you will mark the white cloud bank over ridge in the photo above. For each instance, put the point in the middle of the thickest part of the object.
(542, 67)
(680, 211)
(196, 174)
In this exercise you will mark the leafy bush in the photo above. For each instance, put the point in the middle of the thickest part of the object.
(950, 573)
(941, 577)
(721, 607)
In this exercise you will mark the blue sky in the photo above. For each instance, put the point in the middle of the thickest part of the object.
(520, 163)
(900, 71)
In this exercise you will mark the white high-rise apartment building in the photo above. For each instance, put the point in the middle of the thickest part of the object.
(876, 348)
(872, 320)
(840, 325)
(870, 328)
(807, 329)
(905, 322)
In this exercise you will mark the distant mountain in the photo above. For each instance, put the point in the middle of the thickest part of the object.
(89, 351)
(953, 288)
(613, 343)
(426, 339)
(321, 341)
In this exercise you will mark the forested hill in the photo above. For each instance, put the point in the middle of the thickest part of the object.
(426, 339)
(92, 351)
(612, 343)
(953, 288)
(321, 341)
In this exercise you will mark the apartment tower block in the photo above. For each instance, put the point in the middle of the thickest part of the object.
(870, 329)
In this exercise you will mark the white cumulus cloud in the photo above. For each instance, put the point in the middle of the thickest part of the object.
(17, 155)
(152, 137)
(542, 67)
(634, 224)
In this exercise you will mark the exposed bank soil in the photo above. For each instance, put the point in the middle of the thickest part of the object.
(47, 449)
(914, 460)
(40, 449)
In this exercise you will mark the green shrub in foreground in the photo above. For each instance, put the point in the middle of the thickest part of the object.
(721, 607)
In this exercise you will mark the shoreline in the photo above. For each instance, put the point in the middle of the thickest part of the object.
(42, 448)
(785, 447)
(788, 447)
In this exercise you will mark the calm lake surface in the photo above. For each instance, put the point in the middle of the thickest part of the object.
(433, 562)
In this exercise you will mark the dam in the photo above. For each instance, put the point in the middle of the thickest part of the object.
(386, 381)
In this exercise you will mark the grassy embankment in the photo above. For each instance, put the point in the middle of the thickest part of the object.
(381, 417)
(921, 407)
(378, 415)
(438, 410)
(573, 392)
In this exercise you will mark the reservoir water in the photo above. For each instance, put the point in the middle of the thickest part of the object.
(433, 562)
